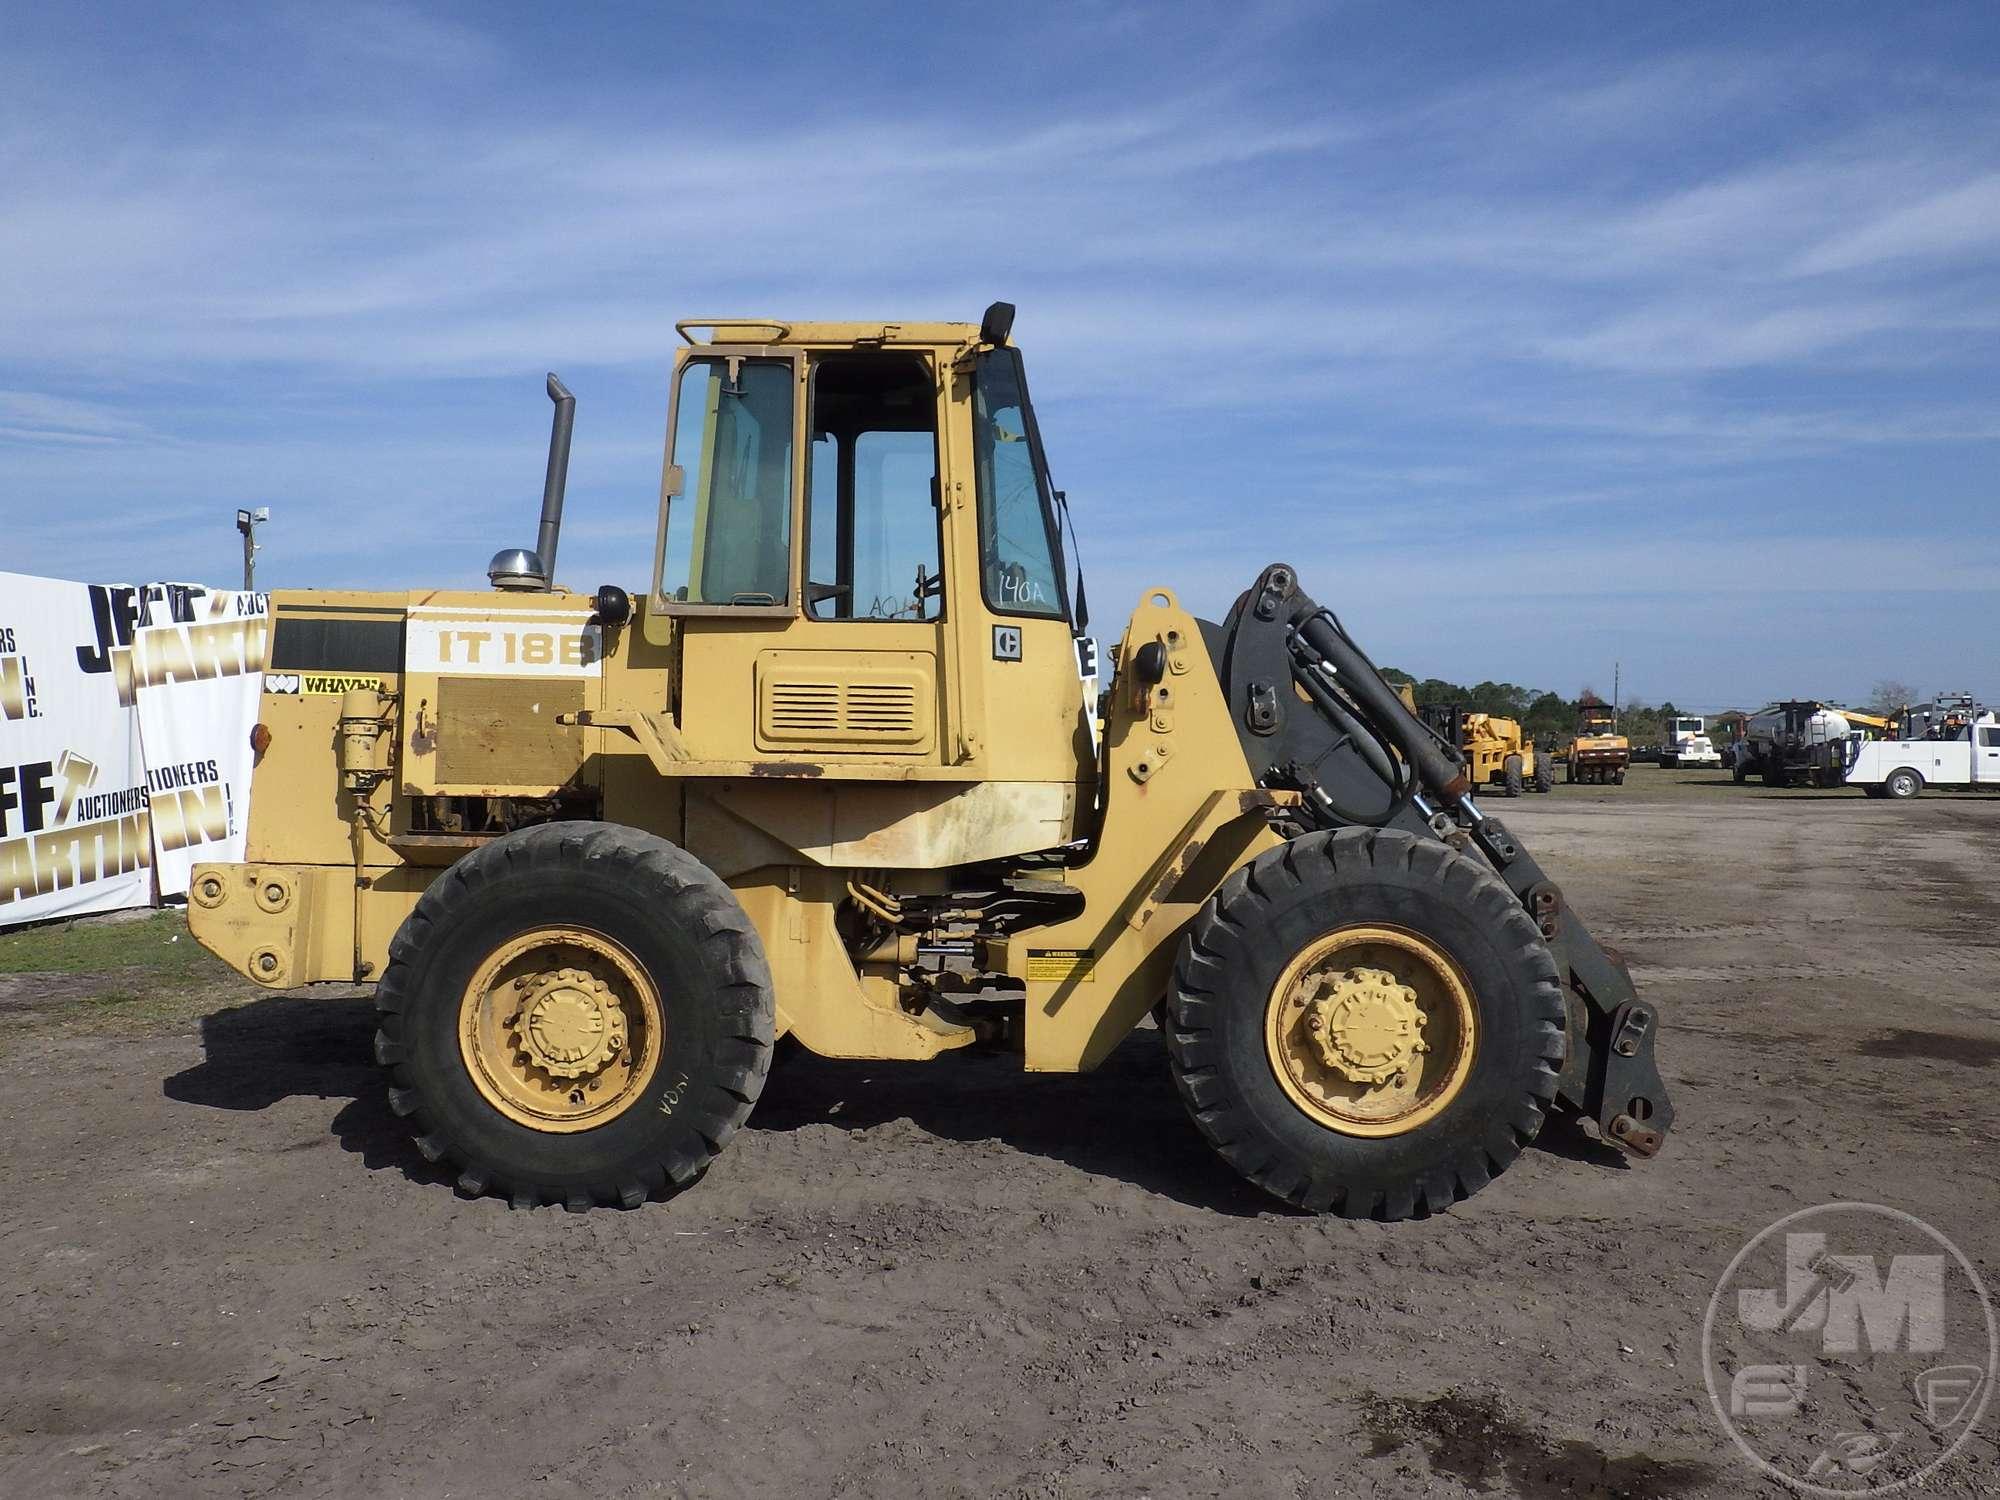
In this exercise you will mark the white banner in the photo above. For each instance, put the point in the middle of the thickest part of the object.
(89, 803)
(198, 665)
(74, 835)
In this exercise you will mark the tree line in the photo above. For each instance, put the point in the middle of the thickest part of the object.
(1544, 716)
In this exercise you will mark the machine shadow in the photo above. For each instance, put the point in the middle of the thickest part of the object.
(1124, 1122)
(289, 1046)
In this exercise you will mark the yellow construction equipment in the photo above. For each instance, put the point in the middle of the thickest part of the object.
(832, 772)
(1597, 751)
(1497, 754)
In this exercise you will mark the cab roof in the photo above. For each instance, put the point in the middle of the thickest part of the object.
(766, 331)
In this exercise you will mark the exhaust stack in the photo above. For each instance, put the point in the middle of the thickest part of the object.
(557, 479)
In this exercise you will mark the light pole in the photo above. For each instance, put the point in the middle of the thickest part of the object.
(247, 522)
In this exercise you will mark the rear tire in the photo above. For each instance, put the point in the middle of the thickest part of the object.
(1545, 774)
(1740, 771)
(1618, 777)
(1227, 1007)
(582, 896)
(1775, 776)
(1510, 776)
(1902, 784)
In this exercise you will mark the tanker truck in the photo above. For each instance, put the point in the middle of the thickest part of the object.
(1799, 742)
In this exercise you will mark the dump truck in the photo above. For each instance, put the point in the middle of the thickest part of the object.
(1497, 755)
(830, 774)
(1597, 751)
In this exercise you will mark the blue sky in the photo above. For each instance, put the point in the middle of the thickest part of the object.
(1537, 337)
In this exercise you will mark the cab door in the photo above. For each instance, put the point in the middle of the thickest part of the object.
(800, 558)
(860, 673)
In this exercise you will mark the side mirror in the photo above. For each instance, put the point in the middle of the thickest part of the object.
(997, 324)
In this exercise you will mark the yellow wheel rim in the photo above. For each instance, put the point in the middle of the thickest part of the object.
(561, 1029)
(1371, 1030)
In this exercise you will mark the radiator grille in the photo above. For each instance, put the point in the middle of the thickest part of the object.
(861, 702)
(805, 707)
(881, 708)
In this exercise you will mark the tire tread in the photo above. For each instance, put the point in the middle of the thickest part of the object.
(690, 895)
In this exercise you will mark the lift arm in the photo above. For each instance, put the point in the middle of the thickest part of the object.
(1315, 715)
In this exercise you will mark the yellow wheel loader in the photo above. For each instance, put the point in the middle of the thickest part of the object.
(832, 773)
(1497, 755)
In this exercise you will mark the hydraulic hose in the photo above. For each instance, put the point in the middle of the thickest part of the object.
(1437, 768)
(1367, 742)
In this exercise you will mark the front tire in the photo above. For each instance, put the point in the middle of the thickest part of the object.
(577, 1013)
(1545, 774)
(1439, 1036)
(1510, 777)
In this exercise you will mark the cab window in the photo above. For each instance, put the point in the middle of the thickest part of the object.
(1017, 539)
(728, 537)
(872, 543)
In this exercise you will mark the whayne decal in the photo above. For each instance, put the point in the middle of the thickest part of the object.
(323, 684)
(456, 642)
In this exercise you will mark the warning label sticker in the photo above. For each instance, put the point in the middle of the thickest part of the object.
(1062, 963)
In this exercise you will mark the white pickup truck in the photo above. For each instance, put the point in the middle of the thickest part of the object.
(1902, 768)
(1688, 744)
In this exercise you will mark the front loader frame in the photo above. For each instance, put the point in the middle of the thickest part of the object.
(1363, 757)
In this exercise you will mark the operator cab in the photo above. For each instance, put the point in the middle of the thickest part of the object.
(860, 518)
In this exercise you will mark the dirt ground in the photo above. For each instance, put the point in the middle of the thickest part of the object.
(225, 1270)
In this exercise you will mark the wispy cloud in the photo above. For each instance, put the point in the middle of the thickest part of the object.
(36, 417)
(1351, 272)
(1962, 221)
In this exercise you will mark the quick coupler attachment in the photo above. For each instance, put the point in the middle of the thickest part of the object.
(1628, 1099)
